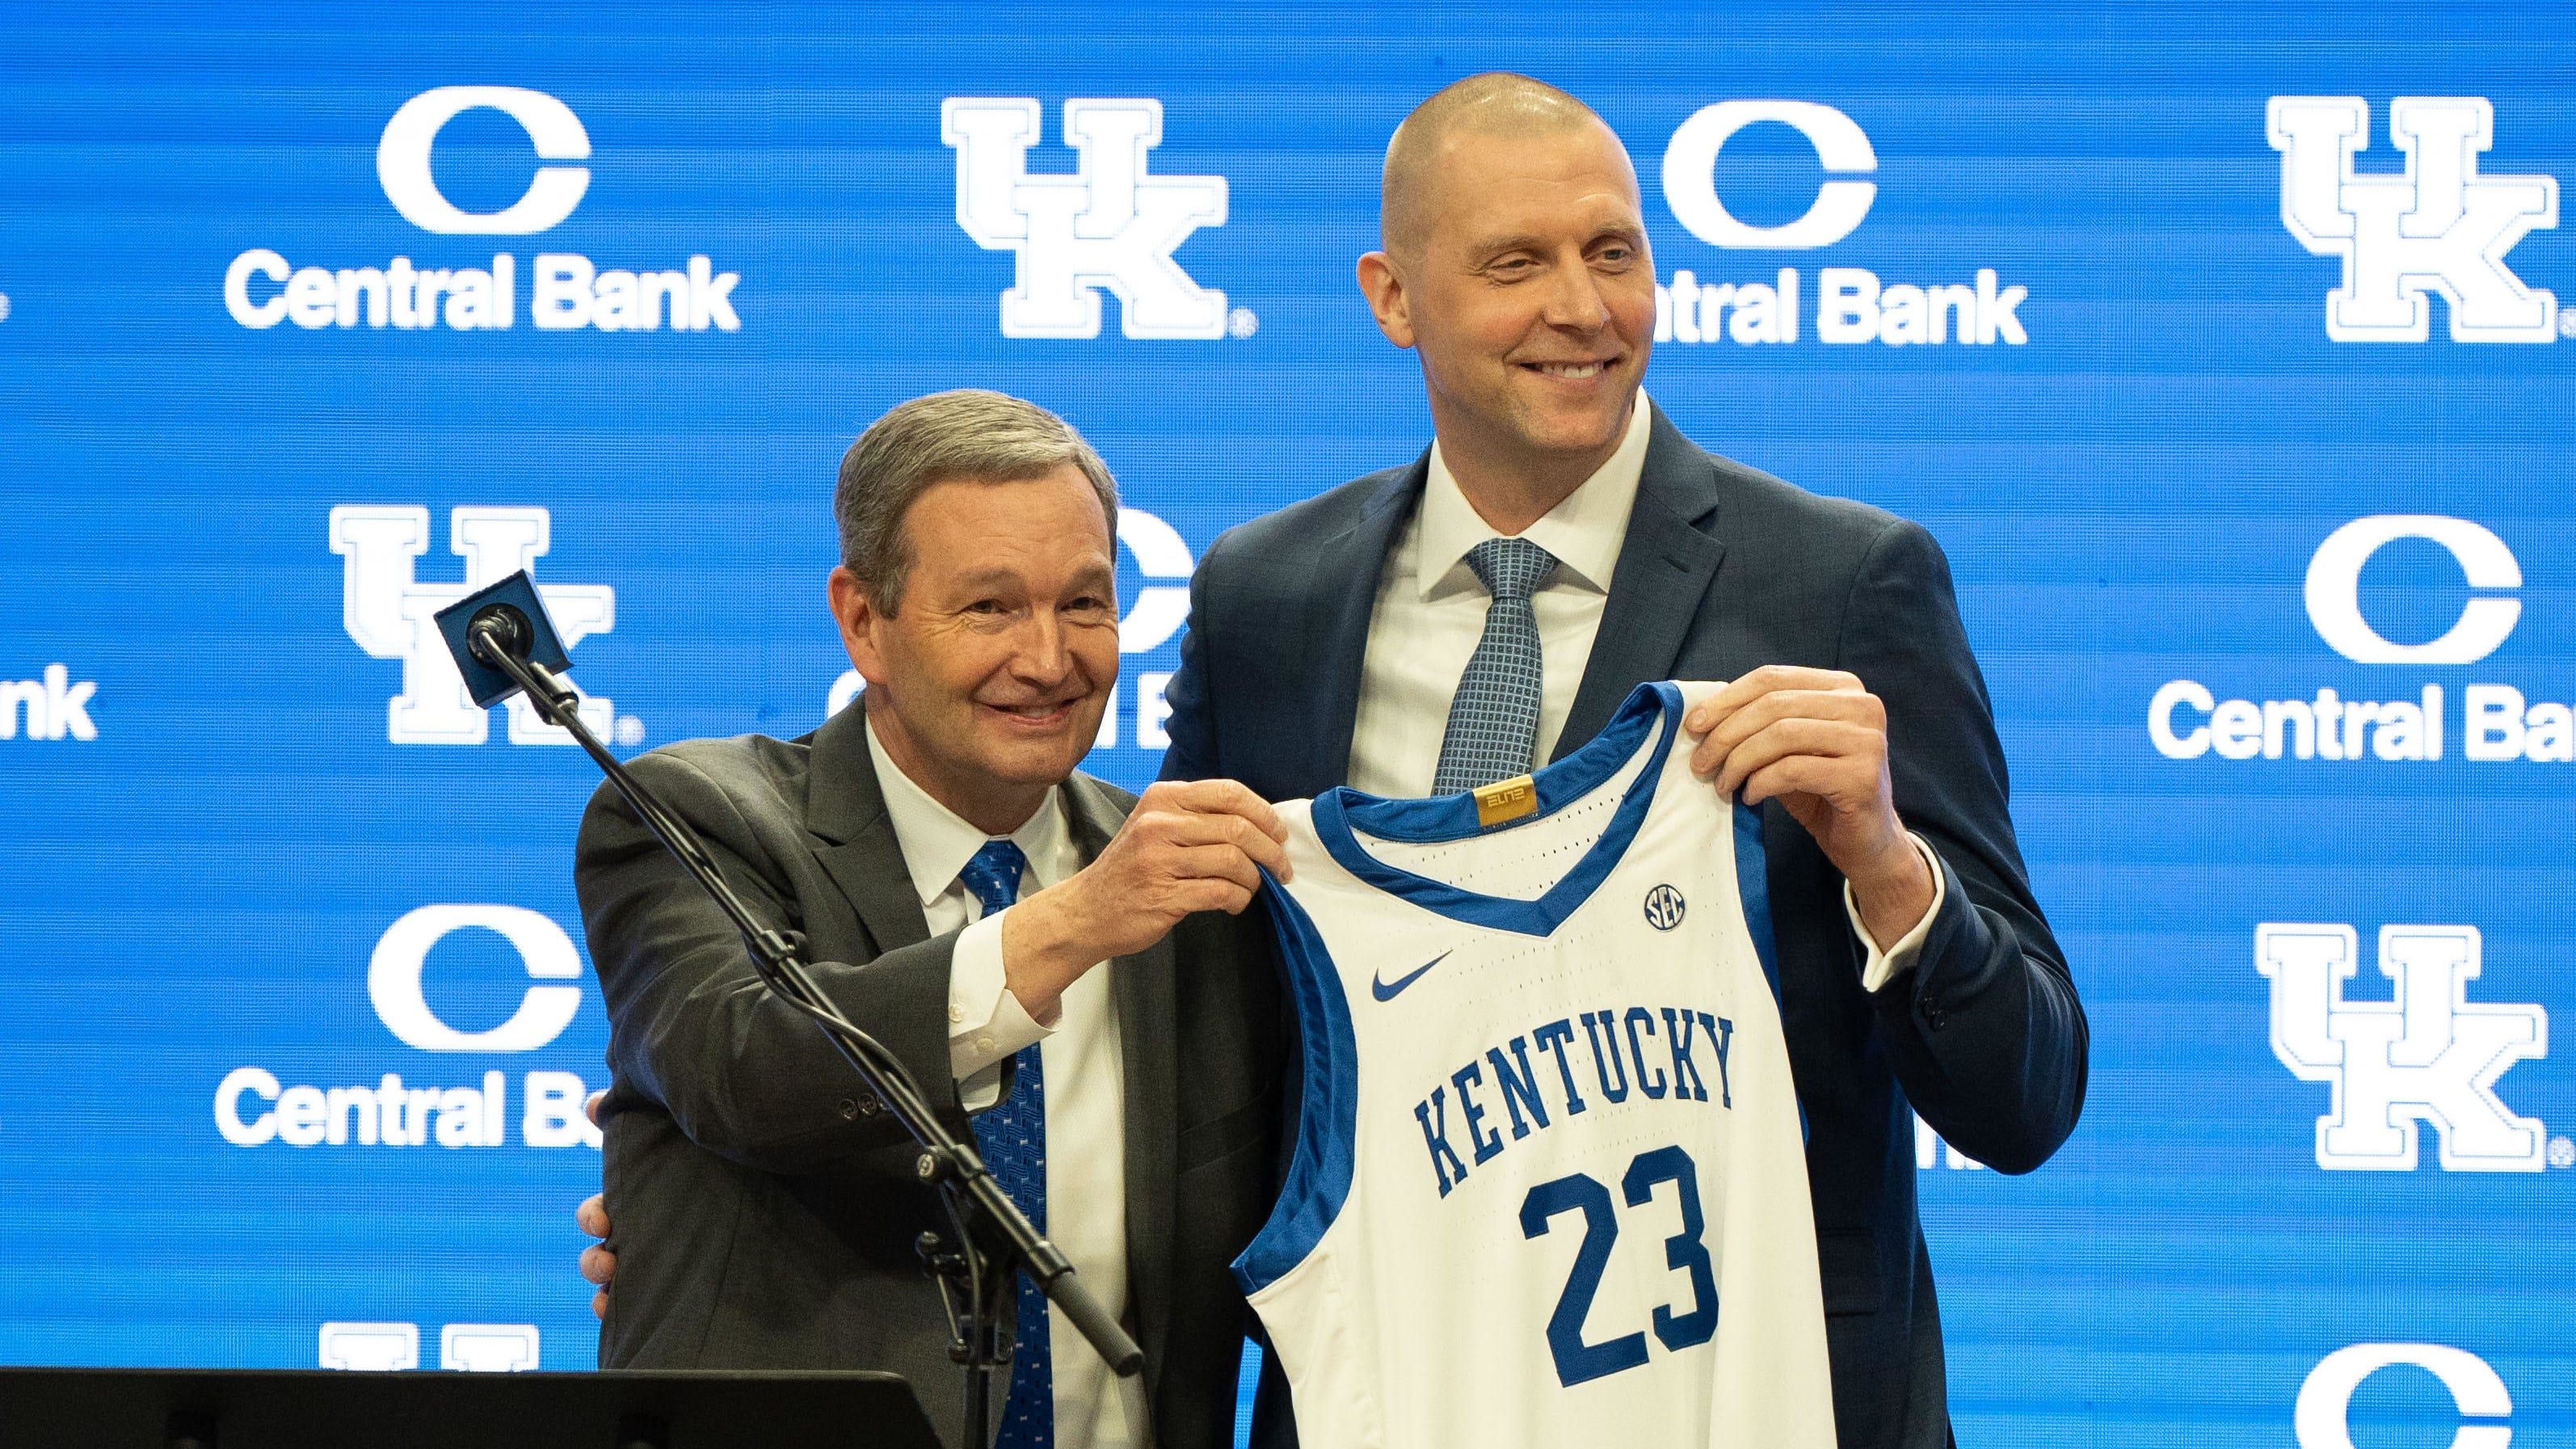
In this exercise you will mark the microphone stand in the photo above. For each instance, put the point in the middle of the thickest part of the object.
(970, 1276)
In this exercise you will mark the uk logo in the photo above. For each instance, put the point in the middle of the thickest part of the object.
(2428, 1054)
(388, 611)
(2439, 227)
(1108, 225)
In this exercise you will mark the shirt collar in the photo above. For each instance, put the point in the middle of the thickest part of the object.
(1584, 532)
(937, 842)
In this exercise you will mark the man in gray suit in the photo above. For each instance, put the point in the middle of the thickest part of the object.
(1113, 1040)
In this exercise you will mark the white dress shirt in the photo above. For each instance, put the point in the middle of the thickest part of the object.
(1086, 1099)
(1430, 613)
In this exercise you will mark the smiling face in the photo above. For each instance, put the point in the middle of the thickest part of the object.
(987, 683)
(1528, 293)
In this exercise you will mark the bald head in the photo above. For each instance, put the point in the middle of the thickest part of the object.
(1496, 103)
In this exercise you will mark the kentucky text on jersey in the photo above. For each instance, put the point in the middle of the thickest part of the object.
(1622, 1062)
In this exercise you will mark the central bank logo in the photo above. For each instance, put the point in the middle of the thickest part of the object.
(2333, 589)
(1850, 304)
(402, 160)
(389, 611)
(2188, 720)
(394, 974)
(2428, 1054)
(1110, 224)
(2322, 1419)
(254, 1107)
(1690, 174)
(2438, 227)
(566, 290)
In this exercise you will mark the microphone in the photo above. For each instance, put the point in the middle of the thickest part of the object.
(504, 624)
(496, 630)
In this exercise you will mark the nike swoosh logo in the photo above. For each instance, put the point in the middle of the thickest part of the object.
(1385, 990)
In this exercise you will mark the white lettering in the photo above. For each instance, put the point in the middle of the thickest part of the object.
(228, 1094)
(263, 262)
(845, 689)
(53, 707)
(2236, 729)
(1152, 712)
(1995, 319)
(2180, 693)
(2549, 733)
(388, 1114)
(711, 292)
(1846, 304)
(554, 1112)
(1852, 306)
(562, 295)
(2494, 723)
(300, 1113)
(312, 298)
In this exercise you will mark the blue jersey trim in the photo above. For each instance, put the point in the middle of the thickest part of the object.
(1443, 818)
(1319, 1172)
(1753, 889)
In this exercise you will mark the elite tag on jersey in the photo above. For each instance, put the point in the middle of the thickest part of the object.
(1550, 1183)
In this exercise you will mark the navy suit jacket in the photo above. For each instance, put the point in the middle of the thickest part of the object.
(1725, 569)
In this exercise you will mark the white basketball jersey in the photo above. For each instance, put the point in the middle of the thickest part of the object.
(1550, 1185)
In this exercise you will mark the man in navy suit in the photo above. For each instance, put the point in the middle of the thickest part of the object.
(1561, 542)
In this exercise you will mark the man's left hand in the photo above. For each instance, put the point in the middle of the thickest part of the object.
(1816, 740)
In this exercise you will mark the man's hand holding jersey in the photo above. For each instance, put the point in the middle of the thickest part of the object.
(1816, 740)
(1194, 845)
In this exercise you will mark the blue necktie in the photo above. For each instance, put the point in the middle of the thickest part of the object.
(1493, 720)
(1012, 1139)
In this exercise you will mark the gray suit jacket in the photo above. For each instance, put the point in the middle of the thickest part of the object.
(1725, 569)
(765, 1204)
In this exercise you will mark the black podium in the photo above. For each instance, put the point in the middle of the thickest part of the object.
(331, 1409)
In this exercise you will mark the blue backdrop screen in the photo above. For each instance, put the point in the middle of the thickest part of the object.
(2217, 344)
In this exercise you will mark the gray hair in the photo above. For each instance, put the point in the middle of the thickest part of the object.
(969, 433)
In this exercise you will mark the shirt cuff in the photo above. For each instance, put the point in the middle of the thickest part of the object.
(986, 1023)
(1881, 967)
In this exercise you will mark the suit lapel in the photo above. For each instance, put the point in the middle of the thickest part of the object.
(1143, 991)
(1665, 566)
(843, 805)
(1343, 587)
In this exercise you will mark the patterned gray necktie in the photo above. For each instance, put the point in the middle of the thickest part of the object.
(1012, 1140)
(1493, 720)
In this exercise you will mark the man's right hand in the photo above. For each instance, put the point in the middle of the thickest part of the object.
(1190, 845)
(597, 1263)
